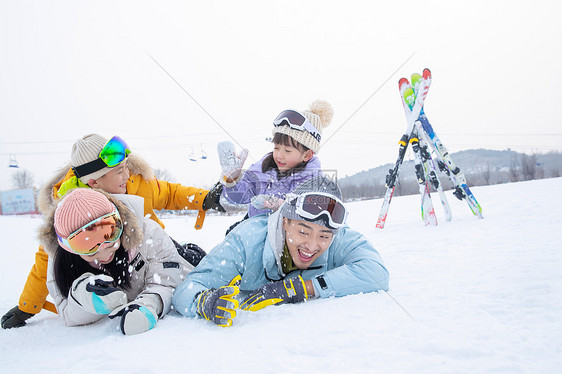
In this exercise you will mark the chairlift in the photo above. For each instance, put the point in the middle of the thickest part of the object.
(203, 153)
(192, 156)
(13, 162)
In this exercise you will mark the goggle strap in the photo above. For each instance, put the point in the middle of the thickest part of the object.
(325, 215)
(309, 127)
(89, 168)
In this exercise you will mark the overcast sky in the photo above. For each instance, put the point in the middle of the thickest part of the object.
(70, 68)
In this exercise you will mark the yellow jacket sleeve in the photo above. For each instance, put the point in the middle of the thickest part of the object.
(34, 295)
(159, 195)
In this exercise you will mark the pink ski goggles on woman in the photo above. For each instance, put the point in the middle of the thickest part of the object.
(88, 238)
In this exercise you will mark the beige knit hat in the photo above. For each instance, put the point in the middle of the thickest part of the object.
(85, 150)
(79, 207)
(320, 115)
(318, 183)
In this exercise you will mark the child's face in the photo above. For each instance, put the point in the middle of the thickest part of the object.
(104, 255)
(306, 241)
(113, 182)
(287, 157)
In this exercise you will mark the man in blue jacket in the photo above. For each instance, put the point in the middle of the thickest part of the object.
(302, 251)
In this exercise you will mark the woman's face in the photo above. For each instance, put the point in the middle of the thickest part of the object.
(104, 255)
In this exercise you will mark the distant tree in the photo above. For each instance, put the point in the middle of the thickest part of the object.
(513, 173)
(398, 186)
(379, 189)
(349, 191)
(22, 179)
(528, 166)
(163, 175)
(487, 174)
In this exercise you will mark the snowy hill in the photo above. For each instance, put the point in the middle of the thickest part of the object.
(466, 296)
(470, 161)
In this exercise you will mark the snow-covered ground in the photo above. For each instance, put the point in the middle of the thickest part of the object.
(467, 296)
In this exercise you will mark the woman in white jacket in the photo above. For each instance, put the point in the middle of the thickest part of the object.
(105, 258)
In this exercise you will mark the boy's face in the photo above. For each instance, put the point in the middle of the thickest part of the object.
(306, 241)
(287, 157)
(113, 182)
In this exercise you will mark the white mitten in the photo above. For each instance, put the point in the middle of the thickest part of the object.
(96, 294)
(140, 315)
(266, 202)
(231, 162)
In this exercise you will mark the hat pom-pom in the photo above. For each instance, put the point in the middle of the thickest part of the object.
(324, 110)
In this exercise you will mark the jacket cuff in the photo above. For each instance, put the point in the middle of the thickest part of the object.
(323, 287)
(153, 301)
(223, 181)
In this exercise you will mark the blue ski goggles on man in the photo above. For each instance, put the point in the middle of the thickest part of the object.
(114, 152)
(319, 205)
(296, 121)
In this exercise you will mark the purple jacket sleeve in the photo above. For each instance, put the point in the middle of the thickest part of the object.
(255, 182)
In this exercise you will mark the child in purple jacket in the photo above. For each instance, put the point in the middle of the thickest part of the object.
(296, 138)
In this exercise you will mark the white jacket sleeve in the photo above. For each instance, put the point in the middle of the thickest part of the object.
(166, 268)
(72, 313)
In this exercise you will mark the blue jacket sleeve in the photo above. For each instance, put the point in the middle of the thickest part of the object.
(215, 270)
(354, 267)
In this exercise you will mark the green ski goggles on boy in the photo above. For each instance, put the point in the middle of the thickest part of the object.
(114, 152)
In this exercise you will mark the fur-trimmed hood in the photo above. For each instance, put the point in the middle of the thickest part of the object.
(46, 197)
(130, 209)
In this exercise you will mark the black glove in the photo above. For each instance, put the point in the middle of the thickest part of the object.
(219, 305)
(15, 317)
(213, 198)
(285, 291)
(191, 252)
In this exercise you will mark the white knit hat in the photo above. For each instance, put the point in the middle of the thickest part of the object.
(317, 183)
(88, 149)
(320, 115)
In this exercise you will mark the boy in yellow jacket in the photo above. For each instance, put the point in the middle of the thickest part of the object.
(108, 165)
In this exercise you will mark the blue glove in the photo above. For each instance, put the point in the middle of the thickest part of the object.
(96, 294)
(139, 315)
(291, 290)
(219, 305)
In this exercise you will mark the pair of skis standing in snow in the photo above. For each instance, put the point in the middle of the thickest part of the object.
(421, 135)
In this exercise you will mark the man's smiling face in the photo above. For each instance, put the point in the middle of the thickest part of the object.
(306, 241)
